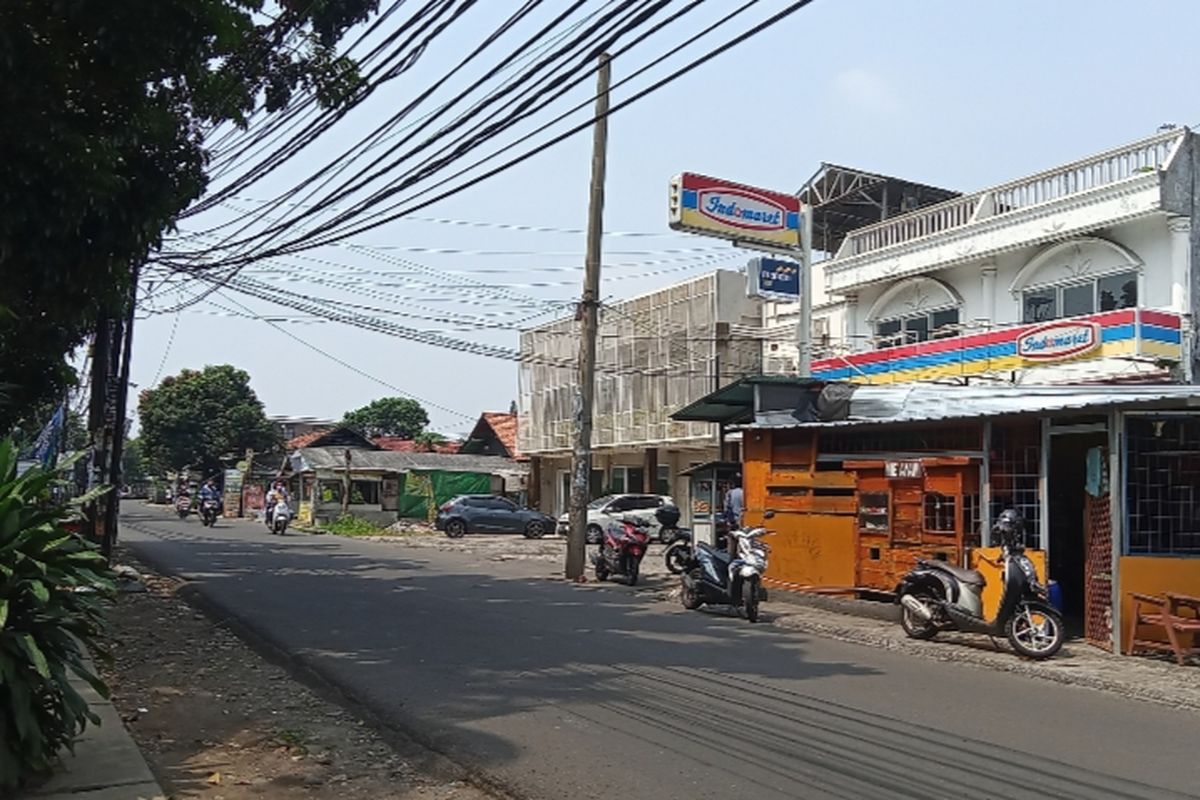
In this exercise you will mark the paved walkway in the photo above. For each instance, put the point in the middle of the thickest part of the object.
(107, 765)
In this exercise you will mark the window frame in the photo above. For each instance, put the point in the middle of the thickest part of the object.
(931, 332)
(1091, 280)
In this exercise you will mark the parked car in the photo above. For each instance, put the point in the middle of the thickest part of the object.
(484, 513)
(608, 509)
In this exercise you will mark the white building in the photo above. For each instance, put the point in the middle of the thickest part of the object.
(655, 354)
(1076, 274)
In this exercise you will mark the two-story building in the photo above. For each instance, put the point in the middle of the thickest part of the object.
(655, 354)
(1030, 346)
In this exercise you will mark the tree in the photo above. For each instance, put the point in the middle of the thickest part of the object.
(389, 416)
(196, 419)
(133, 462)
(106, 109)
(429, 440)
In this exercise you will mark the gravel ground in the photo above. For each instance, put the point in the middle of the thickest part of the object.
(216, 721)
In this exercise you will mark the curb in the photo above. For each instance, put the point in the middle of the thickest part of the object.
(106, 765)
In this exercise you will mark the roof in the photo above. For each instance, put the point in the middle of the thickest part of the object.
(333, 458)
(339, 435)
(921, 402)
(399, 445)
(845, 199)
(734, 404)
(504, 425)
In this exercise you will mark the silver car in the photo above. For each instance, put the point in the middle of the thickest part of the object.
(605, 510)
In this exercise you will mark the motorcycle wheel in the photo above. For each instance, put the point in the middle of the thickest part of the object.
(631, 569)
(677, 558)
(750, 598)
(601, 570)
(689, 595)
(913, 625)
(1035, 630)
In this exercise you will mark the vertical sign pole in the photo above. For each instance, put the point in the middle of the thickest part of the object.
(804, 327)
(588, 313)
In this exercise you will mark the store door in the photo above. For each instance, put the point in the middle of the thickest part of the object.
(1079, 538)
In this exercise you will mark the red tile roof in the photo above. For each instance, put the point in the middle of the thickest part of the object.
(305, 439)
(504, 425)
(398, 445)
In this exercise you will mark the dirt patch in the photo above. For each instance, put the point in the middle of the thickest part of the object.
(216, 721)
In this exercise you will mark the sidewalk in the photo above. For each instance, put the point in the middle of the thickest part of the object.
(1078, 663)
(107, 765)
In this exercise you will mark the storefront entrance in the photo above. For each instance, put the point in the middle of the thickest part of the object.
(1079, 538)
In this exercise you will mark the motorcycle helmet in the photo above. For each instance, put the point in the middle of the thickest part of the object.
(1009, 526)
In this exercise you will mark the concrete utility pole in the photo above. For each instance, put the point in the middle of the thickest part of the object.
(346, 486)
(588, 316)
(805, 325)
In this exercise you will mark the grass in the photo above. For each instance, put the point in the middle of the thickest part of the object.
(349, 525)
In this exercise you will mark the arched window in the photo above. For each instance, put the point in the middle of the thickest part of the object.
(1075, 278)
(915, 310)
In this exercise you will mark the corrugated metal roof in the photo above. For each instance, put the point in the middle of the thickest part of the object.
(333, 458)
(932, 402)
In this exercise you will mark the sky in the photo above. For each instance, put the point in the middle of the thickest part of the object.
(956, 94)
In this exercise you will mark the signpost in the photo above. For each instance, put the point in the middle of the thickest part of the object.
(773, 279)
(758, 219)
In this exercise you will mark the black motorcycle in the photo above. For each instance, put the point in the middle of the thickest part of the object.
(936, 596)
(210, 509)
(717, 577)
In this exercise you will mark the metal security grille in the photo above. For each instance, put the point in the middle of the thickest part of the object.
(1163, 485)
(1098, 580)
(1015, 469)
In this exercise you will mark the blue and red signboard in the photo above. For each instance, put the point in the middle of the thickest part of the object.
(734, 211)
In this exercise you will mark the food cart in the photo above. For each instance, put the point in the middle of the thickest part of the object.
(708, 485)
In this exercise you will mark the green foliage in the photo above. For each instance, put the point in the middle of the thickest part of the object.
(350, 525)
(389, 416)
(194, 419)
(428, 440)
(106, 107)
(133, 462)
(52, 586)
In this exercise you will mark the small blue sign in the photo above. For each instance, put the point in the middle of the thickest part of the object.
(774, 278)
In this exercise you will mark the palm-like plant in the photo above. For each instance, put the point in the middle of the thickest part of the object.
(53, 586)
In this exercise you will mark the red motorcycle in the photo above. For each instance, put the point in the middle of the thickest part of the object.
(621, 550)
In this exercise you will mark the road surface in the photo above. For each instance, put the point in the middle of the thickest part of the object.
(559, 691)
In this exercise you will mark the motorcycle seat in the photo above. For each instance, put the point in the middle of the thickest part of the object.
(720, 555)
(971, 577)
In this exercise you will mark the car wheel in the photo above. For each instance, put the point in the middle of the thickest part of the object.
(535, 530)
(594, 534)
(455, 529)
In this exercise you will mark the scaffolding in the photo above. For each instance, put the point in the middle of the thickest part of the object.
(655, 354)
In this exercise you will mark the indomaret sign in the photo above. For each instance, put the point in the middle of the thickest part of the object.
(743, 214)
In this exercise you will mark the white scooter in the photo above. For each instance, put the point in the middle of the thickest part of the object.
(281, 515)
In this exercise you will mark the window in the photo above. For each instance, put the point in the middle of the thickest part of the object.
(644, 502)
(662, 483)
(916, 328)
(626, 479)
(939, 512)
(1163, 485)
(364, 493)
(1108, 293)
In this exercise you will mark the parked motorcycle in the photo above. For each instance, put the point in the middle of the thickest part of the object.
(209, 510)
(183, 506)
(678, 554)
(622, 548)
(281, 515)
(716, 577)
(936, 596)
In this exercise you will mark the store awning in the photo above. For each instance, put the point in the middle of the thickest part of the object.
(922, 402)
(734, 404)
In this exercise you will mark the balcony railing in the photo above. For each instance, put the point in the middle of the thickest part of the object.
(1108, 168)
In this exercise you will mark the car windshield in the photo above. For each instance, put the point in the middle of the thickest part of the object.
(601, 502)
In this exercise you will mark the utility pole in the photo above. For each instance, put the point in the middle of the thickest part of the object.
(804, 326)
(246, 477)
(588, 316)
(346, 486)
(112, 502)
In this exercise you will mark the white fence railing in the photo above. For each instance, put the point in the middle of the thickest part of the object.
(1114, 166)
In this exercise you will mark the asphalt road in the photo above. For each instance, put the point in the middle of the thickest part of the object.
(561, 691)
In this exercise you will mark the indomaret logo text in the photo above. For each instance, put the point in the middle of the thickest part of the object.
(741, 209)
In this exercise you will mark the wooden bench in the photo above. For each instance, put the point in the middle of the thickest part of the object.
(1176, 614)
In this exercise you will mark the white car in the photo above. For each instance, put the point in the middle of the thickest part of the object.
(605, 510)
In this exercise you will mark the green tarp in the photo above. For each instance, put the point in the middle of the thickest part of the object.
(424, 491)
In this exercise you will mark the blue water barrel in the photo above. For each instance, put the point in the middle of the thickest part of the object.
(1055, 592)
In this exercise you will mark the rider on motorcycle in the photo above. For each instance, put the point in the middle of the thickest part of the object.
(209, 491)
(277, 494)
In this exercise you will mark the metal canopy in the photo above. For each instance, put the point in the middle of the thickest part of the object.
(734, 404)
(845, 199)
